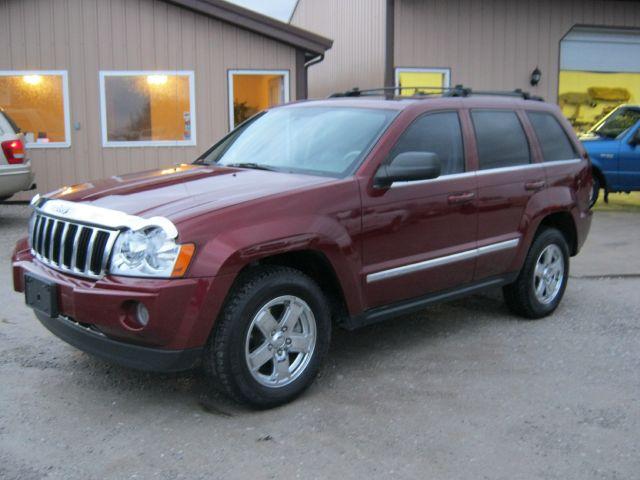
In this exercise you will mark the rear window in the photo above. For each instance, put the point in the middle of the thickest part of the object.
(10, 121)
(552, 138)
(500, 139)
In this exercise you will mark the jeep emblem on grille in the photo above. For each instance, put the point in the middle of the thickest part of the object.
(61, 209)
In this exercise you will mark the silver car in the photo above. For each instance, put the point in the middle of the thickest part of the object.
(15, 168)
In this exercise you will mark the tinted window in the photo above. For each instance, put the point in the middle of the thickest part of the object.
(553, 140)
(500, 138)
(438, 133)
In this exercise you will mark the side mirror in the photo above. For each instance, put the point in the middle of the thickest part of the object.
(408, 166)
(635, 138)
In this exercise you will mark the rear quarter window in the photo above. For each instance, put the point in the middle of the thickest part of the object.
(552, 138)
(500, 139)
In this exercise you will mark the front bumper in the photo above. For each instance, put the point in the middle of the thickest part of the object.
(121, 353)
(182, 313)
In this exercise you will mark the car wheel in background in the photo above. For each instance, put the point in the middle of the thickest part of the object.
(271, 337)
(595, 191)
(539, 288)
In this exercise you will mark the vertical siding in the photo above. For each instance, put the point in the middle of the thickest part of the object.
(357, 28)
(495, 44)
(86, 36)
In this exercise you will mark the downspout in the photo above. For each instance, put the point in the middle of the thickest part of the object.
(302, 73)
(313, 61)
(389, 61)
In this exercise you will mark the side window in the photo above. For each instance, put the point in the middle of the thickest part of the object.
(500, 138)
(439, 133)
(552, 138)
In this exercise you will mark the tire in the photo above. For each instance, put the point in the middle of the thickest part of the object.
(595, 191)
(523, 297)
(285, 353)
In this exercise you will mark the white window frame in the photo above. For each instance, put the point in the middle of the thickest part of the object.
(231, 73)
(445, 71)
(147, 143)
(65, 103)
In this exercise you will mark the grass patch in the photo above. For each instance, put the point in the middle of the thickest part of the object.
(619, 202)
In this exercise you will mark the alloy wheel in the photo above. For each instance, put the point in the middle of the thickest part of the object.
(280, 341)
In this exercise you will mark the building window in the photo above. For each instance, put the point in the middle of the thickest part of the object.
(147, 109)
(38, 103)
(432, 80)
(251, 91)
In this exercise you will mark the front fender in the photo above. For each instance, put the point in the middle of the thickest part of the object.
(229, 253)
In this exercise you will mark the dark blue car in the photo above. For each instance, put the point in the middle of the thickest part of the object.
(614, 147)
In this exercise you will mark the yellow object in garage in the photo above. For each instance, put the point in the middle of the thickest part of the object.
(586, 97)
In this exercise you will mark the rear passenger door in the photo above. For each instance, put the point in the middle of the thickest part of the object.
(507, 179)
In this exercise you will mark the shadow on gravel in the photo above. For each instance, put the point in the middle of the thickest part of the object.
(348, 349)
(13, 216)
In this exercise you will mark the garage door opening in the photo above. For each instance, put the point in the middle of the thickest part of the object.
(251, 91)
(599, 70)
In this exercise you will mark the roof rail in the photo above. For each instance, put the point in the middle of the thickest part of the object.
(461, 91)
(426, 92)
(356, 92)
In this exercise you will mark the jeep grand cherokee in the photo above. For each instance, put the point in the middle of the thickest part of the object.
(345, 211)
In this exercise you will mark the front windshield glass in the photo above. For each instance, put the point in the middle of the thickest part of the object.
(316, 140)
(618, 122)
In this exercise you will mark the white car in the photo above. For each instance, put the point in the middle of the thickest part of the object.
(15, 168)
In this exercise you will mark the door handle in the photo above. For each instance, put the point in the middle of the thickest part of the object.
(535, 185)
(461, 197)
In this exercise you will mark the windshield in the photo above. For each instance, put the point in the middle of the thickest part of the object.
(316, 140)
(616, 123)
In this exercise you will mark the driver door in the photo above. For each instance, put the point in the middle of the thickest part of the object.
(418, 236)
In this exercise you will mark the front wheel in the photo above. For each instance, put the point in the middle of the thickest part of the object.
(271, 337)
(539, 288)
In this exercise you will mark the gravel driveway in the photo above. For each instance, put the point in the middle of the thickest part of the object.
(461, 391)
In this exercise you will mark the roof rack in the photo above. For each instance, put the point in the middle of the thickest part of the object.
(426, 92)
(356, 92)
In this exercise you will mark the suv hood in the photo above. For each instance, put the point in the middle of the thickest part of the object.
(183, 190)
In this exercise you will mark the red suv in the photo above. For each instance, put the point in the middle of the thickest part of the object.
(346, 211)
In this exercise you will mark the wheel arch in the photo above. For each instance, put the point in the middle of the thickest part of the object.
(597, 172)
(316, 265)
(564, 222)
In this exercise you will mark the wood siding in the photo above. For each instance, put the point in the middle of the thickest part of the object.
(495, 44)
(86, 36)
(357, 28)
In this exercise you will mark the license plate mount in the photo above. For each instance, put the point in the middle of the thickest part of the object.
(41, 295)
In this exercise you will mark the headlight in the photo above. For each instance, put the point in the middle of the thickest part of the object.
(149, 253)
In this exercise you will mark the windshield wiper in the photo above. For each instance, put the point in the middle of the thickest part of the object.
(255, 166)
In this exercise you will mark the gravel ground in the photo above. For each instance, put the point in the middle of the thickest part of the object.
(461, 391)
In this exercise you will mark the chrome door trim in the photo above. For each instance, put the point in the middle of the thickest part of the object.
(488, 171)
(443, 178)
(445, 260)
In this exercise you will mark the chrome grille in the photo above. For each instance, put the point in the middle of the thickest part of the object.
(71, 247)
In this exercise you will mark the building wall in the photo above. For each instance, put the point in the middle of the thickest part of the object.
(495, 44)
(357, 28)
(85, 36)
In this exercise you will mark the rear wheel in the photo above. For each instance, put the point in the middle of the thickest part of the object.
(271, 337)
(540, 286)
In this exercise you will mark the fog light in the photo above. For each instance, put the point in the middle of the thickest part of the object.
(142, 314)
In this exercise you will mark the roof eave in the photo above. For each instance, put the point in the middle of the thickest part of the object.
(256, 22)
